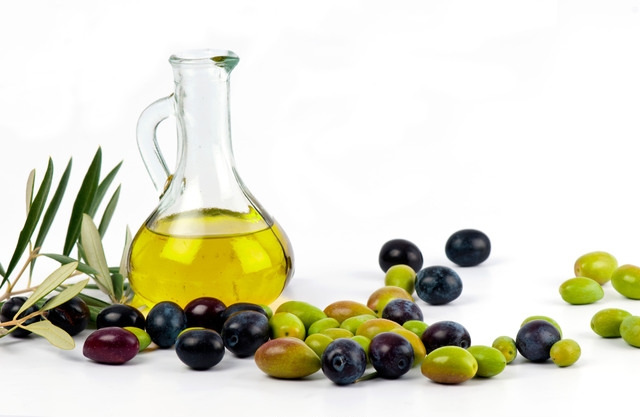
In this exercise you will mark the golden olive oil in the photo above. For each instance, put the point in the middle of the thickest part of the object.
(231, 256)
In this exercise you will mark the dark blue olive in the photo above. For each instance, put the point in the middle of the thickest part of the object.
(240, 306)
(401, 310)
(165, 321)
(71, 316)
(468, 247)
(344, 361)
(438, 285)
(400, 251)
(445, 333)
(205, 312)
(200, 349)
(9, 310)
(391, 355)
(244, 332)
(120, 315)
(535, 338)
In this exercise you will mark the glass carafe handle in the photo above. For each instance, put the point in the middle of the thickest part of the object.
(146, 133)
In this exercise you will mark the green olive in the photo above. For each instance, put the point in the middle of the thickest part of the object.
(630, 330)
(565, 352)
(419, 351)
(364, 342)
(352, 323)
(143, 337)
(545, 318)
(606, 322)
(318, 342)
(449, 365)
(490, 360)
(323, 324)
(306, 312)
(372, 327)
(581, 290)
(626, 280)
(416, 326)
(343, 309)
(402, 276)
(337, 333)
(507, 346)
(597, 265)
(379, 298)
(287, 358)
(285, 324)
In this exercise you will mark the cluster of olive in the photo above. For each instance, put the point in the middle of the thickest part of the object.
(593, 270)
(615, 323)
(73, 316)
(201, 332)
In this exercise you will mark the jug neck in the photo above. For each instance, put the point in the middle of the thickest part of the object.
(205, 166)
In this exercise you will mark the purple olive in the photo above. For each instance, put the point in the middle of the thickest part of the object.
(111, 345)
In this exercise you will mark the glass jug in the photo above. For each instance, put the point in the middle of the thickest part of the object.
(208, 236)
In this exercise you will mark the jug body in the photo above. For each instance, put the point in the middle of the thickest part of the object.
(208, 236)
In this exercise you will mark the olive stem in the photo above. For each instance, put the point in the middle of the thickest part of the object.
(367, 377)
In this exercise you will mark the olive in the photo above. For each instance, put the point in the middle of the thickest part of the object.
(165, 321)
(445, 333)
(120, 315)
(391, 355)
(318, 342)
(581, 290)
(507, 346)
(199, 348)
(468, 247)
(306, 312)
(400, 252)
(438, 285)
(606, 322)
(111, 345)
(343, 309)
(565, 352)
(535, 338)
(402, 276)
(598, 265)
(449, 365)
(71, 316)
(241, 306)
(344, 361)
(630, 330)
(400, 310)
(10, 309)
(285, 324)
(244, 332)
(626, 280)
(287, 358)
(490, 360)
(205, 312)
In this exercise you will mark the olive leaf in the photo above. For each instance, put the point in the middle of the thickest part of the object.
(82, 267)
(52, 282)
(33, 217)
(65, 295)
(54, 334)
(94, 254)
(54, 204)
(108, 212)
(51, 211)
(82, 202)
(102, 190)
(31, 182)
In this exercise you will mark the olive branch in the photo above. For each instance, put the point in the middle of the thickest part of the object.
(82, 234)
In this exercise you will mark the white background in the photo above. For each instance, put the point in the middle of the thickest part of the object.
(353, 123)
